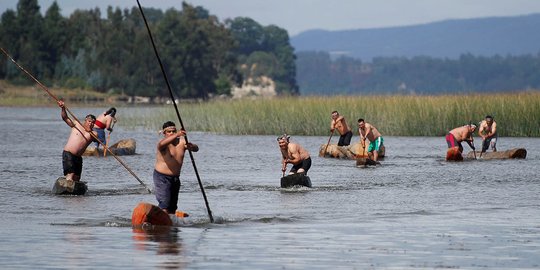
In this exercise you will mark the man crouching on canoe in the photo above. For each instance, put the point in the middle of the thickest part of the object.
(80, 137)
(295, 154)
(169, 159)
(460, 134)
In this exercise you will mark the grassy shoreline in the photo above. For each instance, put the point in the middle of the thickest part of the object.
(34, 96)
(517, 114)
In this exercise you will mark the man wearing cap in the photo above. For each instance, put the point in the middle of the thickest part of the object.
(294, 154)
(460, 134)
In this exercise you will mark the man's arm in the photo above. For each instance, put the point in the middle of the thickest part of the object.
(170, 139)
(64, 115)
(493, 130)
(192, 147)
(481, 131)
(295, 156)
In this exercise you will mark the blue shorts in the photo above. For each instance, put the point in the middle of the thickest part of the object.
(100, 136)
(166, 188)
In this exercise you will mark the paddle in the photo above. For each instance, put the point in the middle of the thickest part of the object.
(328, 143)
(471, 143)
(177, 112)
(482, 151)
(108, 139)
(74, 117)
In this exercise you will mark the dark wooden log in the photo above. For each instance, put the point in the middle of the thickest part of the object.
(297, 179)
(515, 153)
(62, 186)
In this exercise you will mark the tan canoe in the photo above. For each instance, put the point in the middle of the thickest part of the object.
(352, 151)
(121, 148)
(517, 153)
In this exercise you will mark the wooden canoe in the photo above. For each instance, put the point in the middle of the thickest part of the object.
(121, 148)
(62, 186)
(145, 214)
(297, 179)
(515, 153)
(365, 161)
(346, 152)
(453, 154)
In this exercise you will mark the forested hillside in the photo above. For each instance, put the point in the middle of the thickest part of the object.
(456, 56)
(202, 56)
(319, 74)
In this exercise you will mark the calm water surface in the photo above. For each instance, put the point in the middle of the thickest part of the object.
(415, 211)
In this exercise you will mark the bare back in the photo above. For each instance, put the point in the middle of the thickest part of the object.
(105, 119)
(461, 133)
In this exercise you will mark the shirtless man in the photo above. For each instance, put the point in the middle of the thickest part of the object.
(368, 131)
(460, 134)
(295, 154)
(169, 159)
(339, 123)
(79, 139)
(488, 132)
(104, 122)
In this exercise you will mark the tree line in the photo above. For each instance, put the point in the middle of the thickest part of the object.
(319, 74)
(202, 56)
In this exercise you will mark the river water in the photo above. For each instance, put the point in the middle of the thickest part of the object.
(415, 211)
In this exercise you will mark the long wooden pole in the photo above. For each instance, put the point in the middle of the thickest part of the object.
(177, 112)
(108, 140)
(74, 117)
(328, 143)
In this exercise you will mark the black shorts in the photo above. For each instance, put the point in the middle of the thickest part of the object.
(71, 163)
(305, 164)
(345, 139)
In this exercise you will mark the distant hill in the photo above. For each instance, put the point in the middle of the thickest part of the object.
(446, 39)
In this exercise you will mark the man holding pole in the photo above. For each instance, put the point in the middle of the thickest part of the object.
(80, 137)
(294, 154)
(339, 123)
(488, 132)
(368, 131)
(169, 160)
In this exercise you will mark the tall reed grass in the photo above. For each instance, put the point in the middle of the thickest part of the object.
(516, 114)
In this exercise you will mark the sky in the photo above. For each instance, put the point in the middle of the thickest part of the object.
(296, 16)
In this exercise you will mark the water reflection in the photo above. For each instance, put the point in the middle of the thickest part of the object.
(168, 243)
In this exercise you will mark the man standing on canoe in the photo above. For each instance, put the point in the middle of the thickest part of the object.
(368, 131)
(104, 122)
(460, 134)
(169, 160)
(80, 137)
(488, 132)
(339, 123)
(295, 154)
